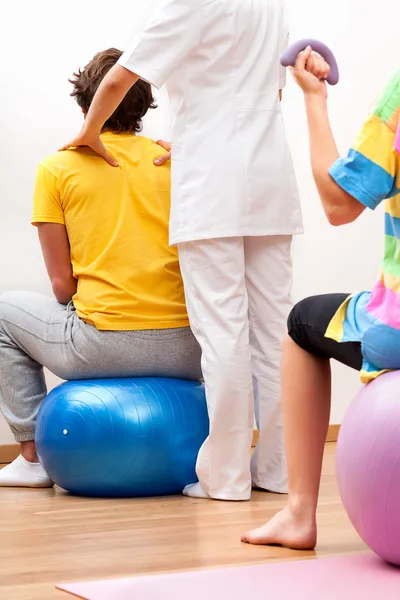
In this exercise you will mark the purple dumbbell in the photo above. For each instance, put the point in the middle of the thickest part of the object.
(289, 57)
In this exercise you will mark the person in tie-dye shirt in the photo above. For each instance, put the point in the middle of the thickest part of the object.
(360, 330)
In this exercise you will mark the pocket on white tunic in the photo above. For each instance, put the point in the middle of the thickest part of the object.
(271, 190)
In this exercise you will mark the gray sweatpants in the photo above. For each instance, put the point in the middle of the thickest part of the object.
(37, 332)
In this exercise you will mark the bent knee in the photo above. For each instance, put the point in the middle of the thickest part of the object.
(302, 326)
(298, 316)
(13, 299)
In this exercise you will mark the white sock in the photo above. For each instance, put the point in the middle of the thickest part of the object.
(22, 473)
(194, 490)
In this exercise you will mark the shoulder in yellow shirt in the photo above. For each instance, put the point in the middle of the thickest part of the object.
(117, 223)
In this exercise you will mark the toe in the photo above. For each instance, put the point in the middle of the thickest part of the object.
(250, 537)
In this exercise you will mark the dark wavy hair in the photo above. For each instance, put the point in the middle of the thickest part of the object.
(128, 116)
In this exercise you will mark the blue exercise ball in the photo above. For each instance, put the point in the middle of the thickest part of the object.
(123, 437)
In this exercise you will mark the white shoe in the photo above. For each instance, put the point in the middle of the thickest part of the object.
(22, 473)
(194, 490)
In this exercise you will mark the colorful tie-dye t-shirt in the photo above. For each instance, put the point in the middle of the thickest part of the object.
(371, 174)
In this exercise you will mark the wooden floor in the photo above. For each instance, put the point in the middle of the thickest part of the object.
(48, 537)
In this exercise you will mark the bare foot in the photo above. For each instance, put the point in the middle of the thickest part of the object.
(285, 529)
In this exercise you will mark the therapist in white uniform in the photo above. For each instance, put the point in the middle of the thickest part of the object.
(234, 211)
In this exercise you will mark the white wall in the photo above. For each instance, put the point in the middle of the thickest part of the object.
(42, 43)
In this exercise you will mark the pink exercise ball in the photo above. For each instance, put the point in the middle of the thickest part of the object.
(368, 465)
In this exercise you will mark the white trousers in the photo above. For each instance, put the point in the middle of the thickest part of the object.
(238, 299)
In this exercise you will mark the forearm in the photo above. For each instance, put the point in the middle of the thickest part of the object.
(64, 289)
(323, 148)
(57, 257)
(339, 206)
(108, 97)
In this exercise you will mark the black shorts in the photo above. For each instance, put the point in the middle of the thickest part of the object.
(307, 325)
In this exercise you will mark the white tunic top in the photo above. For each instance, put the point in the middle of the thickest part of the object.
(232, 172)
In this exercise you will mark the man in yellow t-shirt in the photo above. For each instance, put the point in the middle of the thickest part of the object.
(119, 307)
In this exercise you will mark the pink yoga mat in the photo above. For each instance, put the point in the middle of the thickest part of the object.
(345, 578)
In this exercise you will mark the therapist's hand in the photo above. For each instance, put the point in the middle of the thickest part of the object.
(92, 141)
(159, 162)
(310, 73)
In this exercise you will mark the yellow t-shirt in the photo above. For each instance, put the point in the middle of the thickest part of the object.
(117, 224)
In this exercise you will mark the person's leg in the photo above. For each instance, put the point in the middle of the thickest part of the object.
(268, 282)
(177, 354)
(37, 332)
(306, 396)
(99, 354)
(31, 327)
(214, 276)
